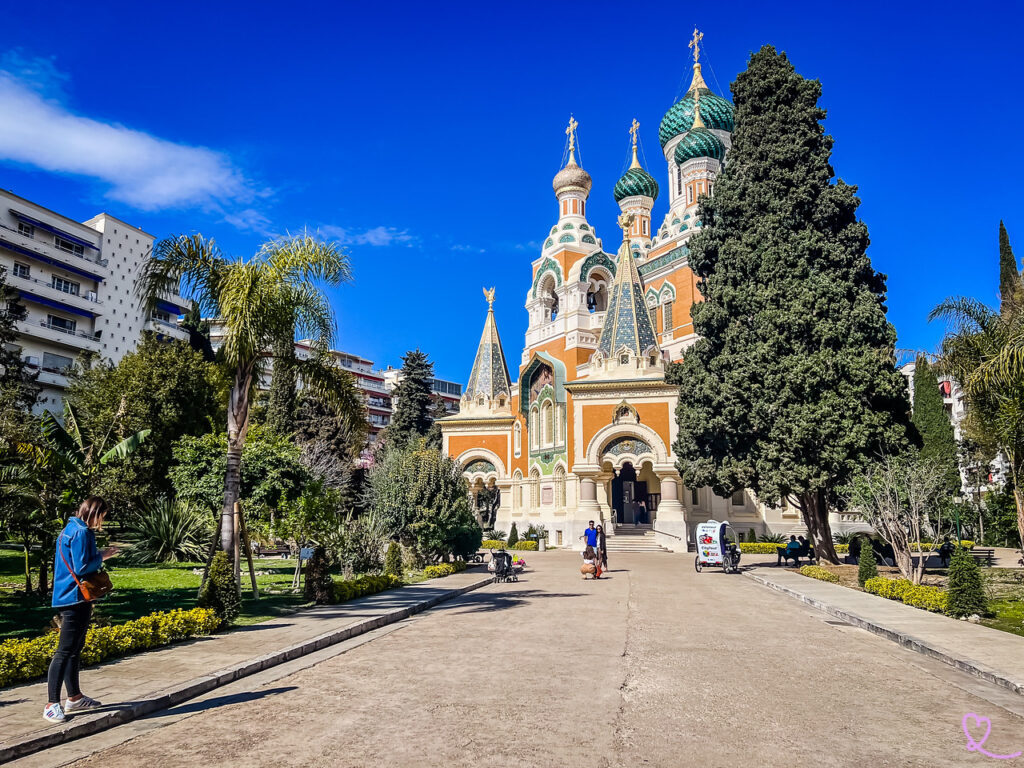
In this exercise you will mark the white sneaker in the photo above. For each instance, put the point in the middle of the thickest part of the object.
(82, 704)
(54, 714)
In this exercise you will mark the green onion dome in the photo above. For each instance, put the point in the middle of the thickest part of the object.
(716, 111)
(635, 181)
(699, 142)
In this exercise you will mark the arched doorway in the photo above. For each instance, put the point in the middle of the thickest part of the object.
(627, 492)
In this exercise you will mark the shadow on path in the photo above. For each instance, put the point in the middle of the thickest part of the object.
(486, 602)
(222, 701)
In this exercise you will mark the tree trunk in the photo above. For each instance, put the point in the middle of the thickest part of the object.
(44, 581)
(28, 571)
(1018, 496)
(238, 427)
(815, 510)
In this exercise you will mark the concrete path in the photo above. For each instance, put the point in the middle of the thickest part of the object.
(988, 653)
(144, 683)
(656, 666)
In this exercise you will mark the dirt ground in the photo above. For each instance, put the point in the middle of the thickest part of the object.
(655, 666)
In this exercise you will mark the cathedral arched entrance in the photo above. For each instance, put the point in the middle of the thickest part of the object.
(634, 494)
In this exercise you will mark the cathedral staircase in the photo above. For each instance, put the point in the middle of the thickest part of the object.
(634, 538)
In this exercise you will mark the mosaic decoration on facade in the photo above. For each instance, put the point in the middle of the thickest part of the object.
(630, 445)
(479, 465)
(627, 324)
(596, 260)
(548, 265)
(663, 261)
(489, 377)
(526, 376)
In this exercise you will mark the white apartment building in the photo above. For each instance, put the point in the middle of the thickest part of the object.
(77, 282)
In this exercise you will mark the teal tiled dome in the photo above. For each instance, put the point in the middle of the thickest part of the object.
(715, 111)
(700, 142)
(635, 181)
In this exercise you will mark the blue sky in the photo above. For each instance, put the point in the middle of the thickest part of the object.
(424, 137)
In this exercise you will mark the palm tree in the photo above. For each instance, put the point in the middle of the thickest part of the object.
(983, 353)
(259, 303)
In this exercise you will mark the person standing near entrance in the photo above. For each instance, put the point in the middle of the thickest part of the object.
(641, 513)
(590, 536)
(602, 548)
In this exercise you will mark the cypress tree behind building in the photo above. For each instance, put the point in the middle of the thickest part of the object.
(938, 443)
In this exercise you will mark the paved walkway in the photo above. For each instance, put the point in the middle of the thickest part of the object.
(655, 666)
(144, 676)
(989, 653)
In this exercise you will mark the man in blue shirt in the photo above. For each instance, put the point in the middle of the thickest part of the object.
(590, 535)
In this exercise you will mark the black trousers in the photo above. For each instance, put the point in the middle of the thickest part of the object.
(74, 622)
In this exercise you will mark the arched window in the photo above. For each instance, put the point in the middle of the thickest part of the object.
(534, 428)
(517, 490)
(547, 413)
(666, 316)
(559, 425)
(517, 439)
(534, 488)
(559, 488)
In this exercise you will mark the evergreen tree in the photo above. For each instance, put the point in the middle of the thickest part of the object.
(933, 426)
(966, 586)
(1009, 275)
(281, 400)
(513, 537)
(867, 566)
(16, 382)
(393, 560)
(792, 386)
(413, 400)
(198, 333)
(220, 590)
(437, 411)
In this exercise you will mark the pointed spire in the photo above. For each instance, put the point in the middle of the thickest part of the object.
(697, 122)
(698, 79)
(628, 323)
(490, 372)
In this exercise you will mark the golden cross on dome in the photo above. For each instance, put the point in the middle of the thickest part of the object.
(633, 129)
(489, 295)
(695, 44)
(571, 132)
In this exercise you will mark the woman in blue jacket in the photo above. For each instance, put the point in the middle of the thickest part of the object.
(76, 549)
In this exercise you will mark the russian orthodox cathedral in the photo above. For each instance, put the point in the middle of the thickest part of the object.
(586, 430)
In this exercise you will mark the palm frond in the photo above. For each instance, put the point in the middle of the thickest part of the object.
(63, 440)
(298, 259)
(191, 262)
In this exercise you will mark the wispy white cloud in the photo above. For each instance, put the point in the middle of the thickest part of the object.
(375, 236)
(37, 128)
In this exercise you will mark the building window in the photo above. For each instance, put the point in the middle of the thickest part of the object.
(65, 285)
(534, 489)
(61, 323)
(26, 229)
(549, 424)
(67, 246)
(22, 270)
(689, 193)
(56, 363)
(694, 497)
(534, 428)
(738, 499)
(666, 312)
(654, 318)
(559, 488)
(517, 439)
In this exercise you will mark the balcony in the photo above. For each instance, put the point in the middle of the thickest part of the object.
(76, 340)
(45, 290)
(165, 328)
(84, 264)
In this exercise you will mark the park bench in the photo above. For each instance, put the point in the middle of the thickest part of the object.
(806, 552)
(274, 550)
(984, 556)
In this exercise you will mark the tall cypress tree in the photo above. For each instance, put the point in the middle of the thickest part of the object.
(1009, 275)
(16, 381)
(938, 443)
(281, 400)
(412, 395)
(792, 386)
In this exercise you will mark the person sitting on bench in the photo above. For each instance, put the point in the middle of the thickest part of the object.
(787, 551)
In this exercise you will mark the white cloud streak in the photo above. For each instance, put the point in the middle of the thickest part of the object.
(142, 170)
(376, 236)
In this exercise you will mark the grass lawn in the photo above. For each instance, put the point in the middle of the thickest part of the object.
(139, 591)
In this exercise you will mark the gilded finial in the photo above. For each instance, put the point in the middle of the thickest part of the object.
(571, 133)
(625, 222)
(489, 295)
(632, 131)
(697, 122)
(698, 78)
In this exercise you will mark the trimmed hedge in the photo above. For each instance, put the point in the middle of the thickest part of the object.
(492, 544)
(817, 572)
(361, 586)
(526, 546)
(25, 659)
(931, 599)
(443, 569)
(924, 545)
(759, 547)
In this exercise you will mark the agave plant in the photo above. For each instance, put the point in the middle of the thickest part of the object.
(845, 537)
(169, 531)
(772, 538)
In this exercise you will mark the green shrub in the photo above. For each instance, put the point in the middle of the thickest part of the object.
(168, 531)
(758, 547)
(772, 538)
(513, 536)
(927, 545)
(817, 572)
(842, 549)
(319, 586)
(867, 564)
(220, 591)
(492, 544)
(393, 560)
(441, 570)
(966, 587)
(349, 589)
(528, 546)
(928, 598)
(25, 659)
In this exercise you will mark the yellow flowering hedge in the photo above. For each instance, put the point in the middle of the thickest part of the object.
(931, 599)
(443, 569)
(759, 547)
(492, 544)
(25, 659)
(817, 572)
(924, 546)
(361, 586)
(526, 546)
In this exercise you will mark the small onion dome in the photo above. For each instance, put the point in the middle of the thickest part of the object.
(700, 142)
(635, 181)
(572, 176)
(716, 111)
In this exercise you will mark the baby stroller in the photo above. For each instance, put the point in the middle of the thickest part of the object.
(502, 566)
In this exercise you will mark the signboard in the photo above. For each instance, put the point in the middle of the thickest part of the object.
(709, 548)
(547, 495)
